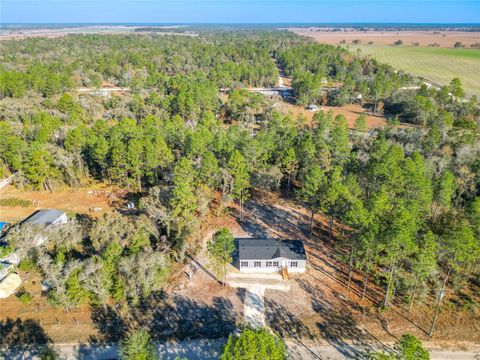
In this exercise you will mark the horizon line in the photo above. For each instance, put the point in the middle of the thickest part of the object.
(246, 23)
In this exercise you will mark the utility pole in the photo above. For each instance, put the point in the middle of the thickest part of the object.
(439, 301)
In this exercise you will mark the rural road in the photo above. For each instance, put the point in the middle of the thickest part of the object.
(205, 349)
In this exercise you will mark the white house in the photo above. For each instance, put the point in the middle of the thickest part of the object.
(42, 219)
(271, 255)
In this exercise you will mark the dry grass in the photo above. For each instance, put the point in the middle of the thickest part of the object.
(350, 111)
(445, 39)
(439, 65)
(79, 201)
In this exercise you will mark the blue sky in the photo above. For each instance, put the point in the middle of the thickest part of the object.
(238, 11)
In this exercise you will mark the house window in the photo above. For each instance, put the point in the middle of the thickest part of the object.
(257, 264)
(269, 264)
(293, 263)
(244, 264)
(275, 263)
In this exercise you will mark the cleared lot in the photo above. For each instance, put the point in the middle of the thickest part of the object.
(93, 201)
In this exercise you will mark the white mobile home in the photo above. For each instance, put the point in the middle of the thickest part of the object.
(271, 255)
(42, 220)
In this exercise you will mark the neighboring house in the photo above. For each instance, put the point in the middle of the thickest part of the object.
(271, 255)
(42, 220)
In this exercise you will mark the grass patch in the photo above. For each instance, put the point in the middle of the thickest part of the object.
(27, 265)
(436, 64)
(15, 202)
(24, 296)
(5, 250)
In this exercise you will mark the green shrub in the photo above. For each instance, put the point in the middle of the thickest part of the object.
(254, 344)
(27, 265)
(138, 345)
(24, 296)
(49, 353)
(5, 250)
(14, 202)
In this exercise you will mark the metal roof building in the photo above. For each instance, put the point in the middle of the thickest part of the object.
(46, 217)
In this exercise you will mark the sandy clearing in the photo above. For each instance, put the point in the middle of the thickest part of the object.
(350, 111)
(72, 201)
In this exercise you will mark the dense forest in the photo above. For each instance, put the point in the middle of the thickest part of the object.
(408, 197)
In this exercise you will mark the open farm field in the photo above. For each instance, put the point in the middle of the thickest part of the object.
(446, 39)
(436, 64)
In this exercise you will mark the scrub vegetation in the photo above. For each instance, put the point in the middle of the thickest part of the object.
(402, 202)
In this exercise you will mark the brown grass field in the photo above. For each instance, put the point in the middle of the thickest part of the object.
(424, 38)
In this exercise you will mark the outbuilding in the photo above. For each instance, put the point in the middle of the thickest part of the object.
(271, 255)
(9, 285)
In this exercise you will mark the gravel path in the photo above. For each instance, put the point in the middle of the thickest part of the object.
(255, 286)
(254, 306)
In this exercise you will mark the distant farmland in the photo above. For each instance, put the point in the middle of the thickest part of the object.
(436, 64)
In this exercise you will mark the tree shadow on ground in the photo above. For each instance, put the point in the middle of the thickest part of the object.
(339, 327)
(109, 323)
(265, 220)
(184, 318)
(287, 325)
(171, 317)
(22, 339)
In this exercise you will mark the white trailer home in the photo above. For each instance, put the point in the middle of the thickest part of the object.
(42, 220)
(271, 255)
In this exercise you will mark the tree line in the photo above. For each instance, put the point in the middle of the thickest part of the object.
(407, 197)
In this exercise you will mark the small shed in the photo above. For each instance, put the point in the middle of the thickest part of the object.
(271, 255)
(9, 285)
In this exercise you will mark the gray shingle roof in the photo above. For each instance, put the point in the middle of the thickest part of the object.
(265, 249)
(44, 217)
